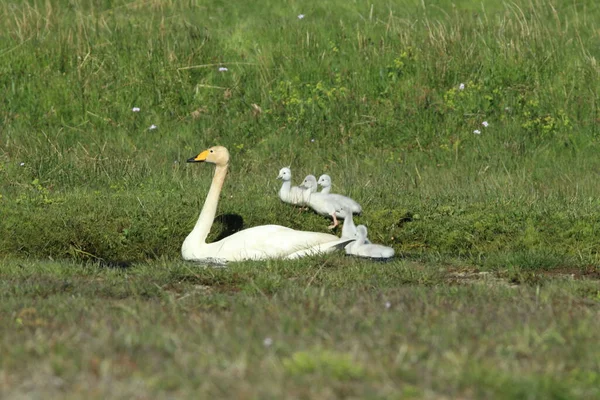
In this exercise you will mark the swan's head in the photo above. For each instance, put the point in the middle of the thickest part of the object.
(310, 182)
(285, 174)
(325, 180)
(218, 155)
(361, 232)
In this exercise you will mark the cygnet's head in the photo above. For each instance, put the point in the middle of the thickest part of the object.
(218, 155)
(310, 182)
(361, 232)
(325, 180)
(285, 173)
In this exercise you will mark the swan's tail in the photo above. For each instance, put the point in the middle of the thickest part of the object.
(321, 248)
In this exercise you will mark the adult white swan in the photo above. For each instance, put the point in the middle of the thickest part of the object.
(257, 243)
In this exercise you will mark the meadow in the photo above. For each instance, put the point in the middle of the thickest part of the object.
(468, 131)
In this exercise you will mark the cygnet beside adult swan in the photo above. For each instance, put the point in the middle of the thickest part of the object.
(256, 243)
(363, 249)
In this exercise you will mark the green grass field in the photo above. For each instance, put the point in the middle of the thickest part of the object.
(494, 292)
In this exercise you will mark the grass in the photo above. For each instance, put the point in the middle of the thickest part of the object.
(337, 327)
(372, 98)
(488, 228)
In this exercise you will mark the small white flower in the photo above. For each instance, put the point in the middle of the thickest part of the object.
(485, 124)
(388, 304)
(223, 69)
(461, 86)
(267, 342)
(312, 140)
(152, 127)
(22, 164)
(477, 132)
(135, 109)
(301, 16)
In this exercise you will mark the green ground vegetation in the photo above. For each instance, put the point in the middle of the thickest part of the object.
(494, 290)
(331, 327)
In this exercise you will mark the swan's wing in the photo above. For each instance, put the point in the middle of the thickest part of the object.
(266, 242)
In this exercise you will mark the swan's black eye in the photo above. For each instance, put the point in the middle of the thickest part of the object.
(212, 151)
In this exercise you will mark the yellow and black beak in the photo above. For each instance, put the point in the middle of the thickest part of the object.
(199, 158)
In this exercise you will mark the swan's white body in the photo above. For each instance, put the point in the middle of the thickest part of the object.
(333, 205)
(261, 243)
(363, 249)
(257, 243)
(290, 194)
(325, 182)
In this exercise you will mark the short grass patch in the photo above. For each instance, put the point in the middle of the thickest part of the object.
(321, 330)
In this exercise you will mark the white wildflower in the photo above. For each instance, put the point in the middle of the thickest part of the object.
(485, 124)
(477, 132)
(22, 164)
(388, 304)
(461, 86)
(135, 109)
(223, 69)
(312, 140)
(152, 127)
(267, 342)
(301, 16)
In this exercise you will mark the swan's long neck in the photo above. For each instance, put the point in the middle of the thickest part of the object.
(209, 210)
(326, 189)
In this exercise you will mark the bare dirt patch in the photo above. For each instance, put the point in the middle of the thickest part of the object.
(586, 272)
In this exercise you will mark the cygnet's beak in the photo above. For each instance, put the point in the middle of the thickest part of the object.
(279, 176)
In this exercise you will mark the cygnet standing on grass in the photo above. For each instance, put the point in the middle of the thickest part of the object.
(347, 202)
(288, 193)
(361, 248)
(333, 205)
